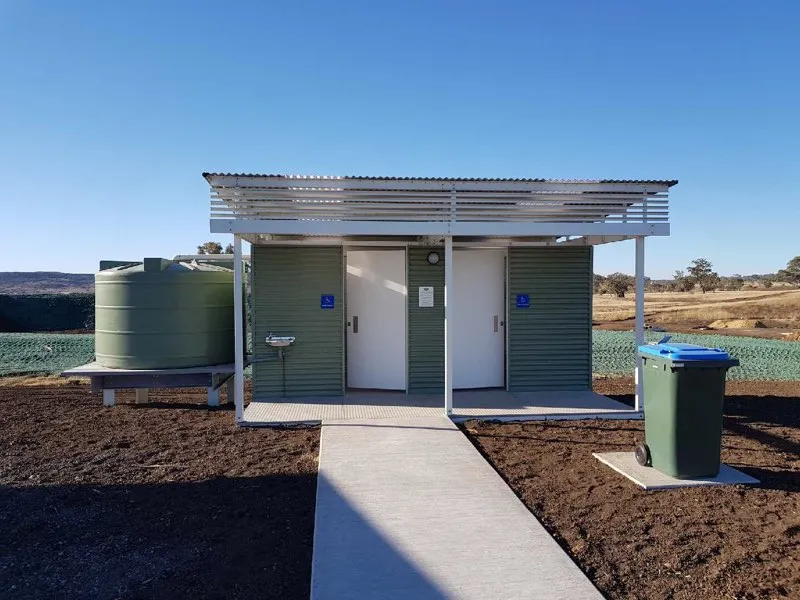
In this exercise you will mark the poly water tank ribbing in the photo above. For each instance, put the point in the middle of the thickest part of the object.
(160, 314)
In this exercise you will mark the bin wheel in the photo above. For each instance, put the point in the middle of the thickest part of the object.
(642, 454)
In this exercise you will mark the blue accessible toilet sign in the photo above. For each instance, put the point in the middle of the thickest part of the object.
(523, 300)
(327, 302)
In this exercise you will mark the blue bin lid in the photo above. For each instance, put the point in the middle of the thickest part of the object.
(677, 351)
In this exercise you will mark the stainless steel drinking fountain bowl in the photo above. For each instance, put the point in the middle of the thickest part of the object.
(277, 341)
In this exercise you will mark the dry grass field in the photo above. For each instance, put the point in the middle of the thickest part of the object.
(40, 380)
(774, 309)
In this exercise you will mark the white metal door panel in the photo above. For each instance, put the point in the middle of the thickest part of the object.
(376, 319)
(478, 308)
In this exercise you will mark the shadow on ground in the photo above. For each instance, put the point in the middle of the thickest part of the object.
(237, 538)
(219, 538)
(775, 410)
(770, 410)
(225, 407)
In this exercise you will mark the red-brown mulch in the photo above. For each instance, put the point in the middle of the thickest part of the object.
(167, 500)
(171, 500)
(727, 542)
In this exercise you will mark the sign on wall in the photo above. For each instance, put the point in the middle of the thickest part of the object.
(327, 302)
(523, 300)
(426, 296)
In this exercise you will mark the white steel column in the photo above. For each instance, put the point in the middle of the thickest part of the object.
(448, 300)
(238, 328)
(639, 290)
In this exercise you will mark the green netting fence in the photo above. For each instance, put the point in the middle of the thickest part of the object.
(43, 353)
(762, 359)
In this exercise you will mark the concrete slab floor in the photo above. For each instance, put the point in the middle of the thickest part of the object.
(408, 508)
(467, 404)
(649, 478)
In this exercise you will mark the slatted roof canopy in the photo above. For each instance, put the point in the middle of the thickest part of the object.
(358, 205)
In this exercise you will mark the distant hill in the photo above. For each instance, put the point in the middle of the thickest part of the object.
(46, 282)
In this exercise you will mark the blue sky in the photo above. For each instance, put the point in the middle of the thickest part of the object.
(110, 111)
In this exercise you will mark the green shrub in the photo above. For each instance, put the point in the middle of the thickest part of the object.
(46, 312)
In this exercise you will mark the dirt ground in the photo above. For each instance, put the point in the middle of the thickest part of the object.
(171, 500)
(167, 500)
(732, 542)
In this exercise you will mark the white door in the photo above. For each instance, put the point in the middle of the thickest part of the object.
(376, 319)
(478, 308)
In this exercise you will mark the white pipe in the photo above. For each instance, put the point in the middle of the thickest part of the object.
(448, 298)
(639, 290)
(238, 328)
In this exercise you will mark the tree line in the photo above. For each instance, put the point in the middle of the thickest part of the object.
(699, 274)
(214, 248)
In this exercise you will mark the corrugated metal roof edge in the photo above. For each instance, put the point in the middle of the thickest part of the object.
(667, 182)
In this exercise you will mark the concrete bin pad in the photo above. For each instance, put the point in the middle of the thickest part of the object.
(649, 478)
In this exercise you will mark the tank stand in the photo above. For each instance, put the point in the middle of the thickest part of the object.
(142, 396)
(230, 389)
(108, 380)
(213, 396)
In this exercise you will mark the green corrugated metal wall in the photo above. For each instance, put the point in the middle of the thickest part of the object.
(287, 285)
(425, 325)
(550, 343)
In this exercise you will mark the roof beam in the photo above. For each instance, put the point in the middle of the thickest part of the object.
(414, 228)
(343, 183)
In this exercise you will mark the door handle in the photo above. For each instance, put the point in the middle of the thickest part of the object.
(355, 324)
(496, 320)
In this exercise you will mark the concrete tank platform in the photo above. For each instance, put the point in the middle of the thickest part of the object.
(649, 478)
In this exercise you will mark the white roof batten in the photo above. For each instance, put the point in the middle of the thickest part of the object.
(300, 205)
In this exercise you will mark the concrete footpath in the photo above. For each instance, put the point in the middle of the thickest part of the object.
(408, 508)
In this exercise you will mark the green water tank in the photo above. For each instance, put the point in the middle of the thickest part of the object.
(161, 314)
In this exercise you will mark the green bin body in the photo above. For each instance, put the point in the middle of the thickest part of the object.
(683, 401)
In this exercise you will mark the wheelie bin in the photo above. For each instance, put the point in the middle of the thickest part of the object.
(684, 390)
